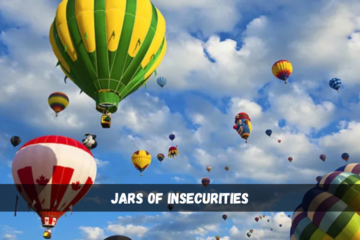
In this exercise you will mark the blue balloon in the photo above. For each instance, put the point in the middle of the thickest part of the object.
(172, 136)
(268, 132)
(161, 81)
(335, 83)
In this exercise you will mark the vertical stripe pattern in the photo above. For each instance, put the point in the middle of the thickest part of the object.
(108, 48)
(331, 209)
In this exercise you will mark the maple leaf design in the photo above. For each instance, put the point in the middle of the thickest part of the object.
(42, 180)
(75, 186)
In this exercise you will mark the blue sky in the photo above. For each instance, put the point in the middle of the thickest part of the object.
(218, 63)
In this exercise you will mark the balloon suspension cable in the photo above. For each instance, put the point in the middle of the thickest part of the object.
(16, 203)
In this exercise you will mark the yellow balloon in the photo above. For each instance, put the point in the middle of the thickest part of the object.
(282, 69)
(217, 237)
(141, 160)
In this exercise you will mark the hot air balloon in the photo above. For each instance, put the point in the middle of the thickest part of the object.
(279, 141)
(208, 168)
(108, 49)
(290, 159)
(58, 101)
(268, 132)
(170, 207)
(257, 219)
(248, 234)
(260, 217)
(288, 215)
(15, 140)
(271, 229)
(227, 168)
(141, 160)
(282, 69)
(172, 137)
(117, 237)
(205, 181)
(263, 216)
(251, 230)
(323, 157)
(160, 157)
(280, 225)
(224, 216)
(217, 237)
(243, 125)
(161, 81)
(52, 174)
(268, 220)
(330, 210)
(345, 156)
(335, 83)
(318, 178)
(173, 152)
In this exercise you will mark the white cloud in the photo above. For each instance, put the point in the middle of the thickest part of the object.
(92, 233)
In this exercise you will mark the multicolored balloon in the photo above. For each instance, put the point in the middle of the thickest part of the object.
(251, 230)
(335, 83)
(217, 237)
(160, 157)
(224, 216)
(268, 132)
(282, 69)
(243, 125)
(330, 210)
(15, 140)
(323, 157)
(205, 181)
(208, 168)
(173, 152)
(161, 81)
(58, 101)
(290, 159)
(141, 160)
(345, 156)
(112, 54)
(172, 137)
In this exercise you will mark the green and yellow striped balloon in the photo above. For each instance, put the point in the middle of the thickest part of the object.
(331, 210)
(108, 48)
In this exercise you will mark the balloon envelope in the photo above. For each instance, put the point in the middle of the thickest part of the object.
(268, 132)
(161, 81)
(336, 198)
(282, 69)
(52, 174)
(345, 156)
(172, 137)
(15, 140)
(335, 83)
(58, 101)
(109, 49)
(117, 237)
(141, 160)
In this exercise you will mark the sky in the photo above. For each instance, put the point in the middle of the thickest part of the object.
(218, 63)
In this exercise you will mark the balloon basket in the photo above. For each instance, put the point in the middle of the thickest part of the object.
(105, 121)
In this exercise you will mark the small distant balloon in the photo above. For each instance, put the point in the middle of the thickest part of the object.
(170, 207)
(172, 137)
(282, 69)
(227, 168)
(248, 234)
(173, 152)
(268, 220)
(217, 237)
(263, 216)
(290, 159)
(279, 141)
(160, 157)
(58, 101)
(251, 230)
(323, 157)
(205, 181)
(208, 168)
(257, 219)
(335, 83)
(271, 229)
(224, 216)
(161, 81)
(280, 225)
(268, 132)
(345, 156)
(15, 140)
